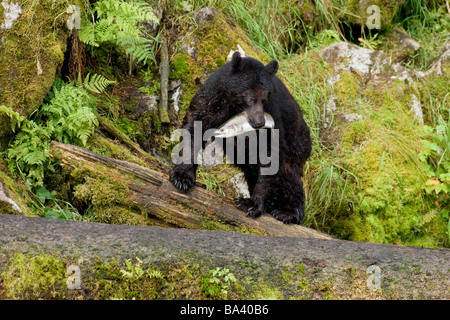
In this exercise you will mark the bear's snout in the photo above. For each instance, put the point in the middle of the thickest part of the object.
(257, 121)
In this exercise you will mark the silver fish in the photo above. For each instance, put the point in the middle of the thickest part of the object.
(239, 124)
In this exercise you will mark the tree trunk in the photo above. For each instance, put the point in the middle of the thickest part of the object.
(164, 68)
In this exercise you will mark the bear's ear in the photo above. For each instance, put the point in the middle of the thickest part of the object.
(236, 60)
(272, 67)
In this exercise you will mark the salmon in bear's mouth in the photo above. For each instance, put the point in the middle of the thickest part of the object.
(239, 124)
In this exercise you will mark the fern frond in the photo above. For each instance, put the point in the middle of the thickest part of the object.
(86, 33)
(118, 23)
(97, 83)
(15, 118)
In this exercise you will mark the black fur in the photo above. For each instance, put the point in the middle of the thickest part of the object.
(245, 84)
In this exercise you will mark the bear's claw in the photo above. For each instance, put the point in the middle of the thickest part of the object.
(248, 206)
(287, 217)
(182, 177)
(244, 203)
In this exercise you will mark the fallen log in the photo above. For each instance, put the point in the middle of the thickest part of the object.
(151, 190)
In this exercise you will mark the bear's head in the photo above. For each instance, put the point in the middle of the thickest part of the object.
(249, 86)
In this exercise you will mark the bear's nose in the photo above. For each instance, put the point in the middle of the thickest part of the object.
(259, 122)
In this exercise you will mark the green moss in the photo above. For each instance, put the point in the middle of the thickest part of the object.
(180, 67)
(355, 12)
(116, 214)
(264, 291)
(112, 149)
(381, 150)
(34, 277)
(132, 281)
(347, 90)
(37, 39)
(364, 181)
(44, 276)
(106, 199)
(212, 41)
(101, 191)
(16, 190)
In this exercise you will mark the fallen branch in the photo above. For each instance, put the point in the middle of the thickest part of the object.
(152, 190)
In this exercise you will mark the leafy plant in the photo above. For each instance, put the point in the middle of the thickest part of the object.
(136, 271)
(117, 23)
(97, 83)
(15, 118)
(436, 155)
(68, 115)
(55, 212)
(325, 38)
(133, 271)
(217, 283)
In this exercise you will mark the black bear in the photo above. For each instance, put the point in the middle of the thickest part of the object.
(246, 85)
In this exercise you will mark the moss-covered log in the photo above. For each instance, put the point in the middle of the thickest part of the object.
(136, 262)
(152, 192)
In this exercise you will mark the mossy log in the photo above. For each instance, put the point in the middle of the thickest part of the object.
(151, 190)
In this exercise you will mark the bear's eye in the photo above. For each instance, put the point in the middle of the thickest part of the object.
(251, 98)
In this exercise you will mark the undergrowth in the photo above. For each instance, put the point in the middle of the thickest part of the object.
(119, 24)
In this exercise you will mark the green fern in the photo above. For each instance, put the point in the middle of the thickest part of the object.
(117, 23)
(69, 116)
(15, 118)
(97, 83)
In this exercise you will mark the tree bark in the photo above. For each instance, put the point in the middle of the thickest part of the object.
(164, 68)
(151, 189)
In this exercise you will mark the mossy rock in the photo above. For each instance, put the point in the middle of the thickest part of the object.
(31, 53)
(205, 46)
(355, 12)
(38, 277)
(378, 150)
(16, 190)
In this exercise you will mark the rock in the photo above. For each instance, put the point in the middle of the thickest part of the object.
(205, 14)
(12, 11)
(33, 41)
(7, 200)
(343, 56)
(368, 66)
(373, 130)
(374, 14)
(441, 65)
(401, 45)
(14, 194)
(176, 92)
(205, 46)
(284, 267)
(351, 117)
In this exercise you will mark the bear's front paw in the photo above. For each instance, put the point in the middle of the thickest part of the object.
(295, 216)
(182, 176)
(254, 212)
(249, 207)
(244, 203)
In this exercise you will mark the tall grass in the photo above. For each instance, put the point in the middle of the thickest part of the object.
(274, 26)
(328, 186)
(428, 22)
